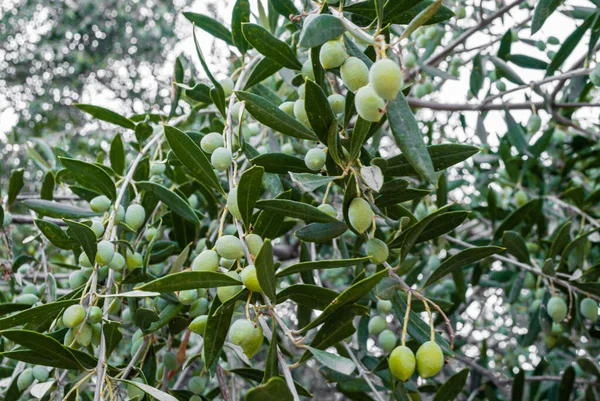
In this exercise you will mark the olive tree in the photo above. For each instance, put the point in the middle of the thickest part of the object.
(321, 223)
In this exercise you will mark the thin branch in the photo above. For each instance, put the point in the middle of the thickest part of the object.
(424, 104)
(362, 372)
(575, 209)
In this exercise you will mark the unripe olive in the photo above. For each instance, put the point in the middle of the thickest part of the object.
(199, 307)
(420, 90)
(534, 123)
(27, 299)
(307, 70)
(84, 335)
(354, 73)
(410, 60)
(196, 385)
(332, 54)
(557, 309)
(76, 279)
(133, 392)
(402, 362)
(227, 263)
(360, 214)
(25, 379)
(30, 289)
(337, 103)
(207, 261)
(250, 279)
(428, 85)
(589, 309)
(134, 260)
(431, 32)
(100, 204)
(300, 112)
(96, 333)
(287, 107)
(211, 141)
(105, 253)
(40, 373)
(225, 293)
(387, 340)
(549, 340)
(170, 361)
(117, 263)
(254, 243)
(94, 314)
(385, 78)
(421, 42)
(235, 111)
(150, 234)
(556, 329)
(315, 159)
(377, 324)
(230, 247)
(187, 297)
(73, 316)
(327, 208)
(553, 40)
(69, 338)
(245, 334)
(195, 398)
(521, 197)
(114, 306)
(221, 159)
(199, 324)
(501, 86)
(135, 216)
(430, 359)
(227, 85)
(84, 260)
(377, 250)
(301, 91)
(384, 306)
(595, 77)
(232, 204)
(97, 228)
(530, 281)
(461, 12)
(157, 168)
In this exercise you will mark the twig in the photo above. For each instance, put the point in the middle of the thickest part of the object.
(362, 372)
(574, 208)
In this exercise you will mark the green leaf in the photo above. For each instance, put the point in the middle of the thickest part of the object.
(461, 259)
(192, 157)
(311, 296)
(528, 62)
(569, 45)
(264, 69)
(86, 238)
(112, 336)
(516, 246)
(257, 375)
(542, 11)
(352, 294)
(15, 184)
(319, 111)
(265, 271)
(248, 192)
(151, 391)
(442, 156)
(117, 155)
(284, 7)
(275, 389)
(268, 224)
(477, 75)
(56, 235)
(216, 94)
(58, 210)
(210, 25)
(47, 190)
(270, 115)
(216, 330)
(271, 363)
(320, 29)
(516, 134)
(241, 14)
(178, 75)
(10, 308)
(398, 12)
(189, 280)
(309, 182)
(281, 163)
(36, 313)
(452, 387)
(409, 138)
(269, 46)
(360, 134)
(106, 115)
(512, 220)
(565, 388)
(321, 232)
(417, 328)
(518, 386)
(332, 361)
(561, 239)
(505, 71)
(320, 265)
(442, 224)
(173, 201)
(91, 176)
(46, 346)
(294, 209)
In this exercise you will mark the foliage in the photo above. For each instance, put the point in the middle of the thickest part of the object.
(324, 211)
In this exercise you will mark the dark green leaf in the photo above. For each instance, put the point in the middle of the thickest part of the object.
(285, 8)
(241, 14)
(320, 265)
(36, 313)
(442, 156)
(309, 182)
(47, 190)
(269, 46)
(15, 184)
(320, 29)
(264, 69)
(117, 155)
(518, 386)
(106, 115)
(171, 200)
(461, 259)
(294, 209)
(517, 216)
(189, 280)
(91, 176)
(178, 75)
(561, 239)
(311, 296)
(516, 246)
(257, 375)
(442, 224)
(112, 336)
(528, 62)
(265, 271)
(216, 93)
(151, 391)
(319, 111)
(58, 210)
(271, 364)
(321, 232)
(248, 192)
(516, 134)
(336, 329)
(217, 327)
(542, 11)
(505, 71)
(210, 25)
(332, 361)
(271, 116)
(281, 163)
(56, 235)
(268, 224)
(569, 45)
(565, 388)
(86, 238)
(477, 75)
(452, 387)
(273, 390)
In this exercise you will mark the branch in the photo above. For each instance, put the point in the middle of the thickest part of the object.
(362, 372)
(414, 102)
